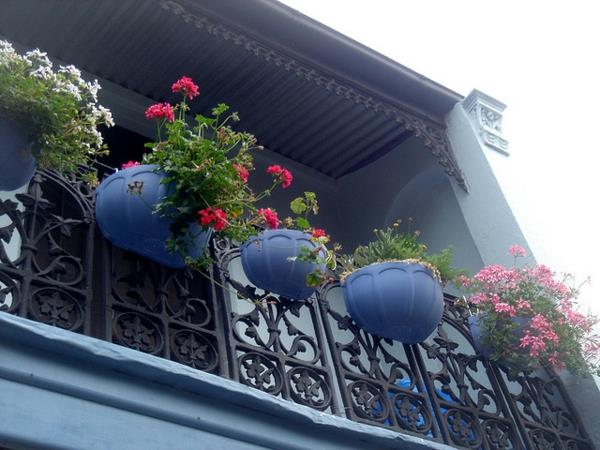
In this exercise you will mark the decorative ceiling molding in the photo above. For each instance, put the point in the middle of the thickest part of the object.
(430, 132)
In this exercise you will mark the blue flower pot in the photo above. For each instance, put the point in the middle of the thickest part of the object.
(479, 336)
(17, 163)
(396, 300)
(265, 259)
(125, 213)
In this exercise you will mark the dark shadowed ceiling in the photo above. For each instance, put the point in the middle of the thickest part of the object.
(304, 90)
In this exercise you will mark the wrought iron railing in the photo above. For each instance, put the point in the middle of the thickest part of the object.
(56, 269)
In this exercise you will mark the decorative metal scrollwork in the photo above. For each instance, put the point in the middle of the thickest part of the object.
(138, 332)
(462, 428)
(193, 349)
(411, 413)
(261, 373)
(368, 401)
(45, 262)
(266, 328)
(10, 295)
(58, 308)
(309, 388)
(53, 270)
(498, 434)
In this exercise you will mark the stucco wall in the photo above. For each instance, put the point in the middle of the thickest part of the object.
(407, 182)
(61, 390)
(493, 227)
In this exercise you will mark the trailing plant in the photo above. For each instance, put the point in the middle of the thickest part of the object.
(393, 245)
(207, 165)
(302, 208)
(57, 109)
(555, 333)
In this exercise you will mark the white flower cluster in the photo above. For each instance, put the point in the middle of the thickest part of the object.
(67, 80)
(7, 53)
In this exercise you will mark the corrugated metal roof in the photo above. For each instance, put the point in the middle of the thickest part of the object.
(146, 45)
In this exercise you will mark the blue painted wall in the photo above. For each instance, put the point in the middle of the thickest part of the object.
(61, 390)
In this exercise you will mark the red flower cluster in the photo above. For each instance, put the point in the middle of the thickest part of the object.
(160, 111)
(242, 172)
(282, 174)
(129, 164)
(187, 87)
(213, 217)
(318, 232)
(269, 217)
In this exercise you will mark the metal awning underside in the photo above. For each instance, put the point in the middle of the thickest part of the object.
(304, 90)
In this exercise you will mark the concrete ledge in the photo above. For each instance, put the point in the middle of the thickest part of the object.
(64, 390)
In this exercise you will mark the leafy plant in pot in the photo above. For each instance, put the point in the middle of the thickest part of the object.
(193, 183)
(48, 119)
(393, 287)
(293, 260)
(527, 316)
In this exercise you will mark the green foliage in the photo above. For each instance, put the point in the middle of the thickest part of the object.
(202, 164)
(302, 207)
(298, 206)
(56, 108)
(321, 255)
(392, 245)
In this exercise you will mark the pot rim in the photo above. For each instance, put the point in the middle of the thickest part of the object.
(256, 236)
(435, 272)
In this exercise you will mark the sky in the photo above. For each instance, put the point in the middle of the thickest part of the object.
(539, 58)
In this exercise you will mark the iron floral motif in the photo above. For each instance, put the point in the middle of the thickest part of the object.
(137, 332)
(260, 372)
(193, 349)
(309, 388)
(56, 308)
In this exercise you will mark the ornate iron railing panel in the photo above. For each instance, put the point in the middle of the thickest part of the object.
(47, 253)
(543, 411)
(276, 345)
(164, 312)
(471, 409)
(56, 269)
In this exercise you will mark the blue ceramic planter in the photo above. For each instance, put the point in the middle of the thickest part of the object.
(266, 264)
(125, 214)
(395, 300)
(17, 164)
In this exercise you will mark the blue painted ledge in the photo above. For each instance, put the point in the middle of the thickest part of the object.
(61, 390)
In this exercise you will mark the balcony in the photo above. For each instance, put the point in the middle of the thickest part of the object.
(55, 268)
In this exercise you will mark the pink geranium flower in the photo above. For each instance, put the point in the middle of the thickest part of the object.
(187, 87)
(129, 164)
(160, 111)
(213, 217)
(549, 326)
(243, 172)
(318, 233)
(269, 216)
(516, 251)
(284, 175)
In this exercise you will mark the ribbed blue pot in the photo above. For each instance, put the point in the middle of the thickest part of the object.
(396, 300)
(125, 214)
(480, 342)
(266, 264)
(17, 164)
